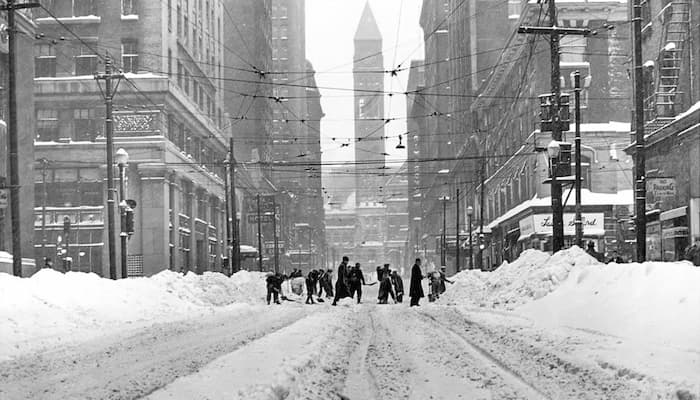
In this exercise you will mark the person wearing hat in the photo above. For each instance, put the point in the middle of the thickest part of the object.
(443, 279)
(591, 251)
(341, 284)
(416, 287)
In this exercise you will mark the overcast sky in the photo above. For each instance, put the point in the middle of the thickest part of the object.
(330, 28)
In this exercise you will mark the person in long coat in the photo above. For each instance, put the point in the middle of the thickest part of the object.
(398, 286)
(341, 285)
(416, 289)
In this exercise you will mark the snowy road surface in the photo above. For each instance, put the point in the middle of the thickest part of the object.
(351, 351)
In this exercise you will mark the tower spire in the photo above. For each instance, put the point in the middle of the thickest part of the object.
(367, 28)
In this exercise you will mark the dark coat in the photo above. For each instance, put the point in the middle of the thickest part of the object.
(398, 283)
(341, 285)
(356, 277)
(385, 289)
(416, 289)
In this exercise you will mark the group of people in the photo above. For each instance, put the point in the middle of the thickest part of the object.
(351, 279)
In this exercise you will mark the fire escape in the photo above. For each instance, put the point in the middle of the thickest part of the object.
(666, 100)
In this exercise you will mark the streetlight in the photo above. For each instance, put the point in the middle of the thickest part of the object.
(121, 157)
(470, 212)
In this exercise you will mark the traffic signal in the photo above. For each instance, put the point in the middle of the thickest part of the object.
(563, 163)
(131, 205)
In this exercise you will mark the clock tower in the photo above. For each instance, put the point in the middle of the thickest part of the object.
(368, 79)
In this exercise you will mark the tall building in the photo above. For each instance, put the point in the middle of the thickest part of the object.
(368, 79)
(290, 127)
(168, 116)
(670, 45)
(25, 142)
(516, 202)
(248, 62)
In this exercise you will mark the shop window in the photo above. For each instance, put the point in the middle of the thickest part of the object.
(130, 56)
(44, 61)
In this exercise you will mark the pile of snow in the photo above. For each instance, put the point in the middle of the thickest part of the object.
(52, 307)
(657, 301)
(532, 276)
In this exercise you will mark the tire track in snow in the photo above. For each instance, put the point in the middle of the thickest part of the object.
(361, 383)
(134, 365)
(512, 377)
(536, 358)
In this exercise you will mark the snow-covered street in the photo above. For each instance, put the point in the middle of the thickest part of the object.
(516, 333)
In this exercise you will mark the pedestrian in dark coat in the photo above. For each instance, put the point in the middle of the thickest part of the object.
(385, 290)
(311, 279)
(380, 273)
(692, 253)
(398, 286)
(416, 288)
(274, 287)
(327, 283)
(341, 284)
(356, 280)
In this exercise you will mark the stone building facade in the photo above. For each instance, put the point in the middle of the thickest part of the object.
(168, 115)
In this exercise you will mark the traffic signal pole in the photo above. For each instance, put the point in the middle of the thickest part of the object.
(554, 33)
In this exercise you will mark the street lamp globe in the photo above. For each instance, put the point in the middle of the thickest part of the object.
(121, 157)
(470, 211)
(553, 149)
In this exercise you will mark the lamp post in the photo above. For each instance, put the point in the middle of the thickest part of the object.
(577, 184)
(470, 212)
(553, 151)
(122, 159)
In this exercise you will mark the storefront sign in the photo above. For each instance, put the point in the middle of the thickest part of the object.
(661, 188)
(593, 224)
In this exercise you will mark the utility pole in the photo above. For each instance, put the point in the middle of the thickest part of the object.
(260, 252)
(577, 142)
(235, 260)
(482, 178)
(108, 95)
(444, 233)
(13, 140)
(227, 214)
(274, 228)
(457, 234)
(639, 156)
(556, 190)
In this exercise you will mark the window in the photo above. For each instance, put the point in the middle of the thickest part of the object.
(179, 21)
(45, 4)
(179, 74)
(85, 61)
(47, 125)
(86, 126)
(129, 7)
(44, 60)
(130, 57)
(84, 7)
(646, 12)
(170, 63)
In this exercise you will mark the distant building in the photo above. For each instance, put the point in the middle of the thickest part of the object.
(396, 202)
(368, 79)
(671, 43)
(168, 115)
(26, 127)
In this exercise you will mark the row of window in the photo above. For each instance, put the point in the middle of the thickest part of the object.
(84, 59)
(80, 8)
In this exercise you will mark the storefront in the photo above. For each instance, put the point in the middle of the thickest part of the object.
(536, 230)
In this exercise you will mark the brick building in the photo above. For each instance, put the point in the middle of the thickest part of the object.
(168, 117)
(670, 47)
(507, 111)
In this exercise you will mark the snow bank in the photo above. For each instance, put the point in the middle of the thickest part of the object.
(654, 301)
(533, 275)
(51, 307)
